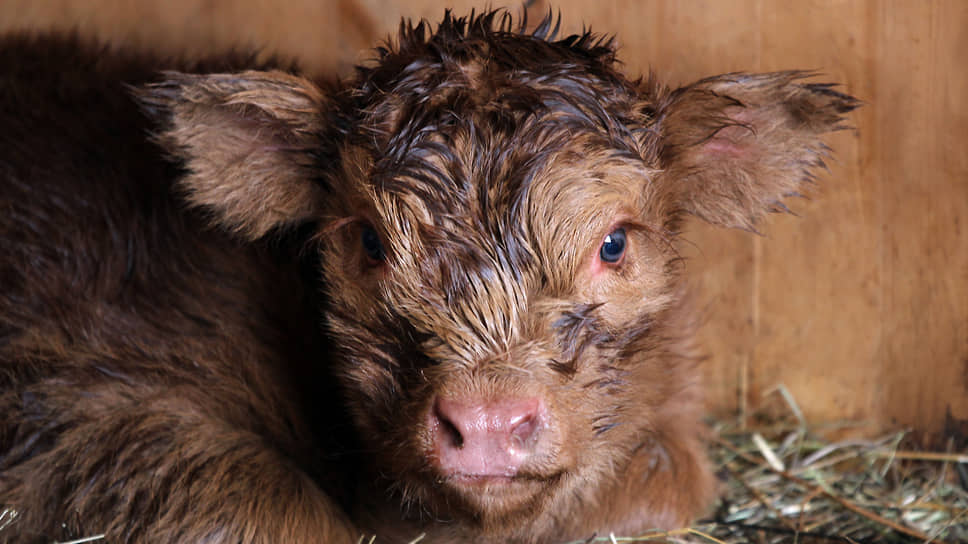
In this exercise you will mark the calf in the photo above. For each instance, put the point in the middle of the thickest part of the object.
(442, 298)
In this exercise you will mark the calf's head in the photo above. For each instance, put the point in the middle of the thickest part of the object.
(498, 213)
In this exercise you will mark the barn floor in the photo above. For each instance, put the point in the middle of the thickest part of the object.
(787, 482)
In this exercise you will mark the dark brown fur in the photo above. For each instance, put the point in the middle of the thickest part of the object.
(162, 377)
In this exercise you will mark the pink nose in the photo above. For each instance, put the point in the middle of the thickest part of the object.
(477, 438)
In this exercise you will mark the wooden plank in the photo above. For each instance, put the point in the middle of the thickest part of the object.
(183, 26)
(820, 290)
(920, 148)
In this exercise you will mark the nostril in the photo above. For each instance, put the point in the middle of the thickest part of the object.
(523, 431)
(492, 437)
(448, 431)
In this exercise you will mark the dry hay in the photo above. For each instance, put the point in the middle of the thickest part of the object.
(787, 482)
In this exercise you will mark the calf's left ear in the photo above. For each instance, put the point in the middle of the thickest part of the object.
(248, 141)
(732, 147)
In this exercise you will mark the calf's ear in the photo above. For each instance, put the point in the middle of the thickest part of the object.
(248, 141)
(731, 147)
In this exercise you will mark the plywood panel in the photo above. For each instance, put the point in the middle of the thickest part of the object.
(921, 153)
(819, 287)
(859, 305)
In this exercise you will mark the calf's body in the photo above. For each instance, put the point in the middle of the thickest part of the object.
(441, 298)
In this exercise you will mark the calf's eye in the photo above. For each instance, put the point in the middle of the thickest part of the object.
(613, 247)
(372, 245)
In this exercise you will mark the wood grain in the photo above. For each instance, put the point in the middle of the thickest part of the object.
(859, 305)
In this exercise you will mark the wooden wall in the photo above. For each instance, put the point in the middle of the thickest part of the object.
(859, 305)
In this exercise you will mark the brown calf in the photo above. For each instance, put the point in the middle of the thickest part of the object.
(504, 356)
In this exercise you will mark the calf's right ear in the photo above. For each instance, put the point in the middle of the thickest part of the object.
(248, 141)
(732, 147)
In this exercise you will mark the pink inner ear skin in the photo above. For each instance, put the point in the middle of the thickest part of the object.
(731, 141)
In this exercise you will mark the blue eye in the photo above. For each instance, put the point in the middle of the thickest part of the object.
(613, 247)
(372, 245)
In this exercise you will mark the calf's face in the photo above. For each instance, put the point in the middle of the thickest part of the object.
(493, 292)
(498, 214)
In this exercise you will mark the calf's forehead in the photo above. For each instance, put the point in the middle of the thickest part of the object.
(539, 193)
(478, 164)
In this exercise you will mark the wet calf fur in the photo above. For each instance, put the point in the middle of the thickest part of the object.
(442, 297)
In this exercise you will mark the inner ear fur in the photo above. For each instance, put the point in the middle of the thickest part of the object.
(248, 142)
(732, 147)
